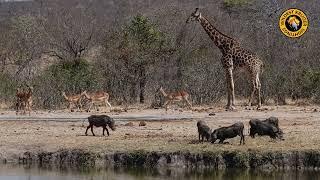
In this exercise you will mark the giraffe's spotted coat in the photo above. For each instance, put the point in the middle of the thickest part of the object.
(233, 56)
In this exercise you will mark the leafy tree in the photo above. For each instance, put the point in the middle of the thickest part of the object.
(23, 44)
(309, 83)
(138, 46)
(69, 76)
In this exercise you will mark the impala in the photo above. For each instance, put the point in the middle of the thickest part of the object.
(73, 100)
(97, 97)
(174, 97)
(24, 100)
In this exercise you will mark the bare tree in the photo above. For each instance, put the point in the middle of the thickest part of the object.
(69, 28)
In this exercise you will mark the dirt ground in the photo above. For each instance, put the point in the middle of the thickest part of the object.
(301, 126)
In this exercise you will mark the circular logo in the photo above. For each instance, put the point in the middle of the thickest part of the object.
(293, 23)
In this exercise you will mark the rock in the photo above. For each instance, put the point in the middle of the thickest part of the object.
(72, 129)
(212, 114)
(142, 123)
(129, 124)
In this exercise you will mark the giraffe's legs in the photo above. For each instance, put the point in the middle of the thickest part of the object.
(256, 87)
(228, 93)
(231, 96)
(252, 92)
(259, 91)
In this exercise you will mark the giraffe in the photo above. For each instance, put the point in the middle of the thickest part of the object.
(233, 56)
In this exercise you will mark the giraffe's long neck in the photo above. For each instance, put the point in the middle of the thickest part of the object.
(221, 40)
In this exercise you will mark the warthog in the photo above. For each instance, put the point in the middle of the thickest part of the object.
(265, 128)
(272, 120)
(203, 130)
(100, 121)
(228, 132)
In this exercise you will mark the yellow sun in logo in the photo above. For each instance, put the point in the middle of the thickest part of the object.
(293, 23)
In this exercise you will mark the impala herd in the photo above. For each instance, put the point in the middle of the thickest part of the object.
(24, 99)
(93, 97)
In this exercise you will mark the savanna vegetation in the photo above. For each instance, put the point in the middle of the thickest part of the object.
(131, 48)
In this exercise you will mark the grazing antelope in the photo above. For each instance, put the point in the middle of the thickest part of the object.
(174, 97)
(97, 97)
(74, 100)
(24, 100)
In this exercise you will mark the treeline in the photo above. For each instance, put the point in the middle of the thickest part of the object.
(131, 48)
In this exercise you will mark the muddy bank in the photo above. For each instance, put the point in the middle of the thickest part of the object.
(308, 159)
(164, 143)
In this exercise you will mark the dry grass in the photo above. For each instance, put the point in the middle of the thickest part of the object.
(300, 124)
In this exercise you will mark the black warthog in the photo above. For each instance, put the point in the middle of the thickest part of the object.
(203, 130)
(265, 128)
(100, 121)
(228, 132)
(272, 120)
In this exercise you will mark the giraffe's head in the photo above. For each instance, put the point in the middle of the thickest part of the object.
(195, 16)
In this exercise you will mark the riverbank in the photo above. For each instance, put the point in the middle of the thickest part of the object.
(272, 160)
(165, 142)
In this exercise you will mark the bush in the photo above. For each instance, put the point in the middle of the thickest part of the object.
(310, 84)
(7, 89)
(71, 77)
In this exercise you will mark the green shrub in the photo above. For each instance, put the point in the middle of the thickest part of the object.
(7, 88)
(71, 77)
(310, 84)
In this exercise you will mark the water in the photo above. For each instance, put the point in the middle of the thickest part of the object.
(20, 172)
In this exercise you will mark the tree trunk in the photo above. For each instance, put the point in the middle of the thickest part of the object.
(142, 83)
(179, 72)
(133, 92)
